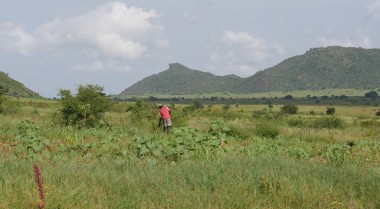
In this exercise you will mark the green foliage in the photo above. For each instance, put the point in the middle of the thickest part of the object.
(267, 130)
(319, 68)
(187, 144)
(329, 122)
(14, 88)
(371, 94)
(330, 110)
(86, 108)
(289, 109)
(179, 79)
(288, 97)
(197, 104)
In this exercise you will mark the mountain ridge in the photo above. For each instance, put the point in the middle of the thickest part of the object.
(318, 68)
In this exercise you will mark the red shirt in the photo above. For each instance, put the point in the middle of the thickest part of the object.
(164, 112)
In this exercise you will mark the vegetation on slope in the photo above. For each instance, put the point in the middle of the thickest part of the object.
(318, 68)
(15, 88)
(179, 79)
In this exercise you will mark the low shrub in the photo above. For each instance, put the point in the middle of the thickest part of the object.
(289, 109)
(267, 130)
(330, 122)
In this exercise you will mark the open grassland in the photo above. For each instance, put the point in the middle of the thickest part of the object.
(246, 156)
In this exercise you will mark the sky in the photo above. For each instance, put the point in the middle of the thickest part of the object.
(50, 45)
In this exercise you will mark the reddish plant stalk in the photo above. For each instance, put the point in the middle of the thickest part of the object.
(38, 179)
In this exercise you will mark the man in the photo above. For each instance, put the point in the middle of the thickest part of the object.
(165, 118)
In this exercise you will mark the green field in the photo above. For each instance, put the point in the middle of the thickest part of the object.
(244, 156)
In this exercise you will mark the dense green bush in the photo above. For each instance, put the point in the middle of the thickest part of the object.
(289, 109)
(267, 130)
(329, 122)
(86, 108)
(330, 110)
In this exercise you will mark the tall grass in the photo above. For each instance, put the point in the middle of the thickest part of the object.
(232, 182)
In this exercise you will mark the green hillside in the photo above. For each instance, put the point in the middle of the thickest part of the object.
(179, 79)
(319, 68)
(15, 88)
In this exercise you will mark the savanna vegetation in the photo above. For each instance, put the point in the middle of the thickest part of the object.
(217, 155)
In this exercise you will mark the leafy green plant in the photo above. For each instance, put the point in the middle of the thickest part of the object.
(86, 108)
(329, 122)
(266, 130)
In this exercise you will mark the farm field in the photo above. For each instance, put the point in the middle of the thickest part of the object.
(243, 156)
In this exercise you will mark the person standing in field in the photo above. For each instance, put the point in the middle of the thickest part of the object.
(165, 118)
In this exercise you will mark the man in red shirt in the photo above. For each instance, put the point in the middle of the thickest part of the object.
(165, 118)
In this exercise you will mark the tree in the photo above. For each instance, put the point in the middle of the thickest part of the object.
(371, 94)
(197, 104)
(330, 111)
(86, 108)
(288, 97)
(289, 109)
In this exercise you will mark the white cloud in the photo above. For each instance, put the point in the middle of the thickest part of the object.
(98, 66)
(241, 53)
(362, 41)
(243, 39)
(112, 30)
(14, 38)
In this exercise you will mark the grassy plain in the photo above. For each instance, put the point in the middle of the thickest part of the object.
(247, 156)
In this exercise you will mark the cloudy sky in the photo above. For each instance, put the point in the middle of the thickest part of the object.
(59, 44)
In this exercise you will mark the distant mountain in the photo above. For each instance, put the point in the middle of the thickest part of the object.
(15, 88)
(318, 68)
(179, 79)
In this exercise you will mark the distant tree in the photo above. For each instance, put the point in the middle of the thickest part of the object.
(330, 111)
(288, 97)
(371, 94)
(197, 104)
(85, 108)
(226, 106)
(289, 109)
(325, 97)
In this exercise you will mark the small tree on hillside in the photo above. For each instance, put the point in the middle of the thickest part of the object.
(86, 108)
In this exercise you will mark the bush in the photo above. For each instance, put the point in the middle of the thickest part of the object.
(330, 111)
(289, 109)
(377, 113)
(86, 108)
(329, 122)
(266, 130)
(371, 94)
(296, 122)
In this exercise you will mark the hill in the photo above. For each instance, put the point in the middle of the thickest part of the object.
(319, 68)
(15, 88)
(179, 79)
